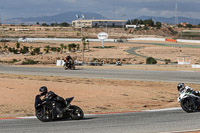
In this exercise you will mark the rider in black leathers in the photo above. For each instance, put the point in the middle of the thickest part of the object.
(50, 96)
(69, 61)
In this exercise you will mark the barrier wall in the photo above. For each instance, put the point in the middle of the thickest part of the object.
(60, 63)
(107, 40)
(61, 39)
(189, 41)
(146, 39)
(170, 40)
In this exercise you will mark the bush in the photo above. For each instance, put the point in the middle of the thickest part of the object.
(54, 49)
(29, 61)
(167, 61)
(104, 47)
(151, 60)
(13, 61)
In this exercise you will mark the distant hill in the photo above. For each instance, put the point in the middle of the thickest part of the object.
(59, 18)
(70, 16)
(172, 20)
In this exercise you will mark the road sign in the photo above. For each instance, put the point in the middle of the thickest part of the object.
(102, 36)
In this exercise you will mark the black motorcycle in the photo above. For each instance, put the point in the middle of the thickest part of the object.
(69, 65)
(48, 110)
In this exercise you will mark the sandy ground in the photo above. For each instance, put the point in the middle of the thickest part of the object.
(92, 95)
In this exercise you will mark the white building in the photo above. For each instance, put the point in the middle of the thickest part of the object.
(98, 23)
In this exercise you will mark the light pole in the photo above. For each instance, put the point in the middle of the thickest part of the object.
(83, 41)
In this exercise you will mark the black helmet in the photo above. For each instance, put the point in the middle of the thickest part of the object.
(43, 90)
(180, 87)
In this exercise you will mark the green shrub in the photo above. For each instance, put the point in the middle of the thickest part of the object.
(13, 61)
(29, 61)
(151, 60)
(167, 61)
(54, 49)
(104, 47)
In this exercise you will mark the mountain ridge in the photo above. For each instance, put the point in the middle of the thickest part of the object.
(70, 16)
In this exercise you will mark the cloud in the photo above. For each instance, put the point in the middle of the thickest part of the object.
(108, 8)
(70, 1)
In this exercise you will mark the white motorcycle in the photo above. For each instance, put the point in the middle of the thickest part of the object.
(188, 101)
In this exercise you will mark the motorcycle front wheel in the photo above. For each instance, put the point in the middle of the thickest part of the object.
(188, 105)
(43, 115)
(77, 113)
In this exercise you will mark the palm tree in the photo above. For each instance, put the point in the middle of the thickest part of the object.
(47, 47)
(31, 48)
(61, 46)
(88, 44)
(65, 47)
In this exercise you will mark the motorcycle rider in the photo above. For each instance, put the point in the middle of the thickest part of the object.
(50, 95)
(181, 87)
(69, 60)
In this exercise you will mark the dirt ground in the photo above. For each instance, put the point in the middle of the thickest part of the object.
(92, 95)
(95, 95)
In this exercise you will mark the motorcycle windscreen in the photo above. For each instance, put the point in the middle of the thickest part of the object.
(69, 100)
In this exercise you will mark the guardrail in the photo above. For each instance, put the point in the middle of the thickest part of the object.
(107, 40)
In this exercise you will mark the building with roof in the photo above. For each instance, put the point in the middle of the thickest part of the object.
(98, 23)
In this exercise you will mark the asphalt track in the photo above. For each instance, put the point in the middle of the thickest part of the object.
(135, 122)
(119, 74)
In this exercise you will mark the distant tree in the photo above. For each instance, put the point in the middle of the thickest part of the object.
(72, 46)
(88, 43)
(151, 60)
(179, 25)
(31, 48)
(18, 45)
(149, 22)
(141, 21)
(128, 22)
(65, 47)
(24, 50)
(5, 47)
(44, 24)
(64, 24)
(135, 22)
(47, 48)
(158, 25)
(37, 23)
(36, 50)
(78, 47)
(62, 47)
(54, 24)
(189, 26)
(58, 50)
(54, 49)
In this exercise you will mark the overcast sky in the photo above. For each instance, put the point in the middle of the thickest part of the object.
(113, 9)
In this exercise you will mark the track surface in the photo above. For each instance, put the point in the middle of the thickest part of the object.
(121, 74)
(140, 122)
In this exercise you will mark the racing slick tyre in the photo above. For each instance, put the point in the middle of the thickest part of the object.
(188, 105)
(77, 113)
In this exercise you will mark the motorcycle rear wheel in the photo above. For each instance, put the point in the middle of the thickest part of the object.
(77, 113)
(188, 105)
